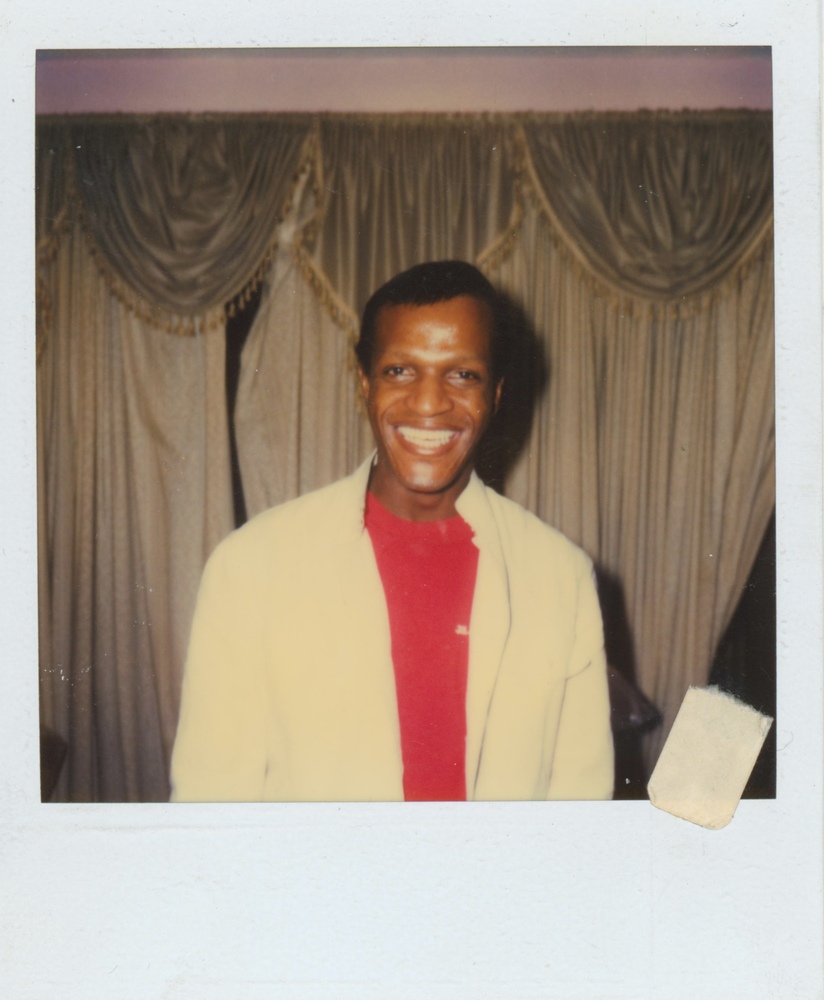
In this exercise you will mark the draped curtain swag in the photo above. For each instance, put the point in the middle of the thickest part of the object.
(639, 246)
(661, 214)
(182, 214)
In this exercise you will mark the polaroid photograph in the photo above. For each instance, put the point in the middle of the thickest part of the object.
(402, 427)
(202, 359)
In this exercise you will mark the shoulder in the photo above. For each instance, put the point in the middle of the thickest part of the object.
(298, 524)
(339, 496)
(550, 578)
(534, 539)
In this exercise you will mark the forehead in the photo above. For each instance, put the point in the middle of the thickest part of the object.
(461, 325)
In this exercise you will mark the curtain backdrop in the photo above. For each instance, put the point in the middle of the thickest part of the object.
(134, 493)
(666, 292)
(134, 480)
(638, 246)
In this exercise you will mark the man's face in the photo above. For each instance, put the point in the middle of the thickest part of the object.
(430, 395)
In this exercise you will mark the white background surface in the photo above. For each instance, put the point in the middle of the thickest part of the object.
(606, 900)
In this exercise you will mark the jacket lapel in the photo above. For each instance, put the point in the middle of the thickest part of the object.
(489, 625)
(367, 630)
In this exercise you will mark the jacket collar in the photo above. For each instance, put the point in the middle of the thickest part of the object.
(472, 504)
(489, 627)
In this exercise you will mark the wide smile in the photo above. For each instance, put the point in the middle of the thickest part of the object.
(426, 441)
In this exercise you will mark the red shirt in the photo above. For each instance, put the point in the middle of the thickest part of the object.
(428, 570)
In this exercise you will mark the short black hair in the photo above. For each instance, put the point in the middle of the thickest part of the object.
(425, 285)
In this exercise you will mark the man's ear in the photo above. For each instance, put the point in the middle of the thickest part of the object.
(363, 380)
(497, 400)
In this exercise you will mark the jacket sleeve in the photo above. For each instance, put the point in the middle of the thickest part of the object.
(220, 748)
(583, 762)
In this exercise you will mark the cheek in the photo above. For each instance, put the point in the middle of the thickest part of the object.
(483, 407)
(380, 405)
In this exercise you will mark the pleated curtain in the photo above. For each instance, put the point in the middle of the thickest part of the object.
(639, 248)
(144, 234)
(662, 320)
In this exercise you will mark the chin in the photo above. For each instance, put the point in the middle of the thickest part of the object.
(428, 480)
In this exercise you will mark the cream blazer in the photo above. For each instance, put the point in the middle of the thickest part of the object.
(289, 690)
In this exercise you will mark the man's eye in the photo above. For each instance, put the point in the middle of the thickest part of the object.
(467, 376)
(394, 371)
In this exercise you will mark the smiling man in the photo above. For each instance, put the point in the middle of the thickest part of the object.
(405, 633)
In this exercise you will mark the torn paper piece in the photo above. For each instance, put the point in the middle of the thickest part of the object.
(708, 757)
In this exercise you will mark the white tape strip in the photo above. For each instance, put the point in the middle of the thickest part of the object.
(708, 757)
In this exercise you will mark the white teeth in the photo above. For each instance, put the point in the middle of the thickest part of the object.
(425, 439)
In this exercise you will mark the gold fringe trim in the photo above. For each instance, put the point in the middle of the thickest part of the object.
(501, 248)
(241, 300)
(336, 308)
(466, 118)
(45, 255)
(340, 312)
(308, 232)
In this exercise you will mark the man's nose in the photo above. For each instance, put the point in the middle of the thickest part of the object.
(430, 396)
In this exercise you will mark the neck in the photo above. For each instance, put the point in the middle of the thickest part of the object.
(412, 505)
